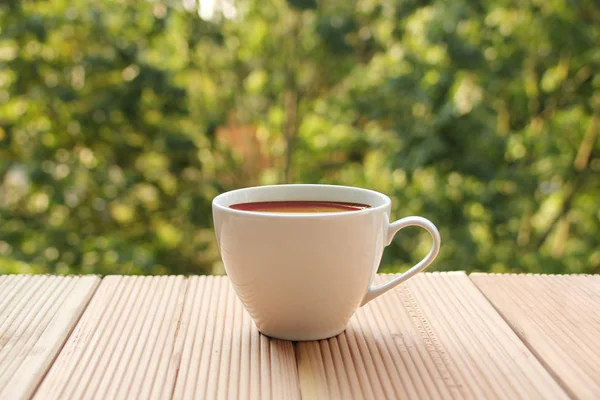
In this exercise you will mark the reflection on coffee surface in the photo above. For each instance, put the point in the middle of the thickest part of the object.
(299, 206)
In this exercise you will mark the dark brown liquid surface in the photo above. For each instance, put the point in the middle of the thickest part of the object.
(299, 206)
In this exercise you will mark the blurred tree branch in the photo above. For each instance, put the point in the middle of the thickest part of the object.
(580, 164)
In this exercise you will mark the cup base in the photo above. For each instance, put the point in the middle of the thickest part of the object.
(298, 337)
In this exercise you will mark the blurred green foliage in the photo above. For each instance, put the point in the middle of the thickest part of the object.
(120, 121)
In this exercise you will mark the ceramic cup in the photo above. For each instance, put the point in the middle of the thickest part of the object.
(301, 276)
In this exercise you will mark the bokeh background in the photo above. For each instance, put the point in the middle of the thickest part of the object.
(121, 120)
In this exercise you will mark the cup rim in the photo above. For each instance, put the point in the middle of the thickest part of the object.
(386, 202)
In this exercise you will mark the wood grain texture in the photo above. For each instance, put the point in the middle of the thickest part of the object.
(558, 318)
(435, 336)
(169, 337)
(37, 313)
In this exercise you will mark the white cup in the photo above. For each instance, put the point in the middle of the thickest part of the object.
(301, 276)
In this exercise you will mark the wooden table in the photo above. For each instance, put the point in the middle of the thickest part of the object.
(441, 335)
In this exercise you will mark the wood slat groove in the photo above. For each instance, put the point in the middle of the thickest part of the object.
(329, 369)
(439, 361)
(137, 371)
(10, 289)
(254, 361)
(29, 331)
(224, 356)
(216, 340)
(81, 379)
(345, 384)
(403, 359)
(212, 330)
(434, 337)
(155, 370)
(15, 308)
(26, 316)
(558, 318)
(265, 368)
(365, 330)
(190, 320)
(237, 349)
(357, 362)
(96, 370)
(129, 363)
(198, 344)
(38, 314)
(100, 360)
(82, 343)
(403, 326)
(169, 337)
(111, 361)
(71, 356)
(167, 359)
(227, 362)
(175, 351)
(57, 332)
(245, 356)
(471, 374)
(383, 363)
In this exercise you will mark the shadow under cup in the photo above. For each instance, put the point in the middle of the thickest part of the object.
(301, 276)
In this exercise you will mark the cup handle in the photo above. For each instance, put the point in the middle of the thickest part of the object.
(393, 228)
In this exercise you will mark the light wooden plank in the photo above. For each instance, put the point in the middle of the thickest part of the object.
(223, 355)
(558, 317)
(37, 313)
(434, 337)
(123, 345)
(169, 337)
